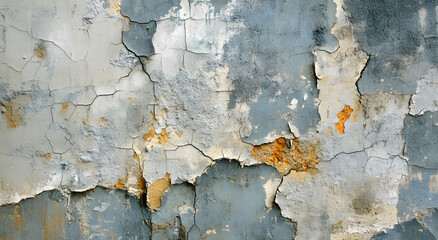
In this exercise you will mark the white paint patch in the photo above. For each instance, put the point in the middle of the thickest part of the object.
(293, 104)
(433, 183)
(271, 189)
(422, 13)
(184, 209)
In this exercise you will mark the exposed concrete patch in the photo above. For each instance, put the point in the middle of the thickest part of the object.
(288, 154)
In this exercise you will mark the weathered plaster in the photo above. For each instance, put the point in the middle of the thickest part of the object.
(218, 119)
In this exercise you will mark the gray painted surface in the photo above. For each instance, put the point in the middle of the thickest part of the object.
(177, 211)
(421, 136)
(269, 55)
(393, 31)
(230, 203)
(114, 214)
(145, 11)
(95, 214)
(138, 38)
(419, 194)
(411, 230)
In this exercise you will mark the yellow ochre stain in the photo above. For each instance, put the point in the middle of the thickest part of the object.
(64, 107)
(120, 183)
(12, 109)
(151, 134)
(163, 137)
(388, 64)
(40, 51)
(135, 156)
(343, 117)
(103, 122)
(156, 190)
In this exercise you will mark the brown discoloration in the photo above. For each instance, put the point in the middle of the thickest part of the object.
(363, 204)
(19, 220)
(120, 183)
(103, 122)
(11, 110)
(151, 134)
(64, 108)
(153, 116)
(156, 190)
(163, 137)
(141, 183)
(298, 157)
(40, 51)
(158, 227)
(135, 156)
(343, 117)
(53, 225)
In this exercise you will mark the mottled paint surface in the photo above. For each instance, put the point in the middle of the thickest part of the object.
(218, 119)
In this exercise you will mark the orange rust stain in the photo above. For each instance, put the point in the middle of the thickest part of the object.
(298, 157)
(12, 110)
(19, 220)
(388, 64)
(343, 117)
(151, 134)
(40, 51)
(120, 183)
(163, 137)
(156, 190)
(64, 108)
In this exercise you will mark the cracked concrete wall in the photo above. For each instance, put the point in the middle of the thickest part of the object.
(218, 119)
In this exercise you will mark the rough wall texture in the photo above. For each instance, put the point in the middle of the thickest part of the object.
(218, 119)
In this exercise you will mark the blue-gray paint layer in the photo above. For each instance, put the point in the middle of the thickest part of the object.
(402, 47)
(227, 201)
(107, 214)
(411, 230)
(138, 39)
(145, 11)
(419, 194)
(270, 56)
(421, 137)
(230, 203)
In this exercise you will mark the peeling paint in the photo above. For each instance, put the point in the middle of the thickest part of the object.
(287, 155)
(156, 190)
